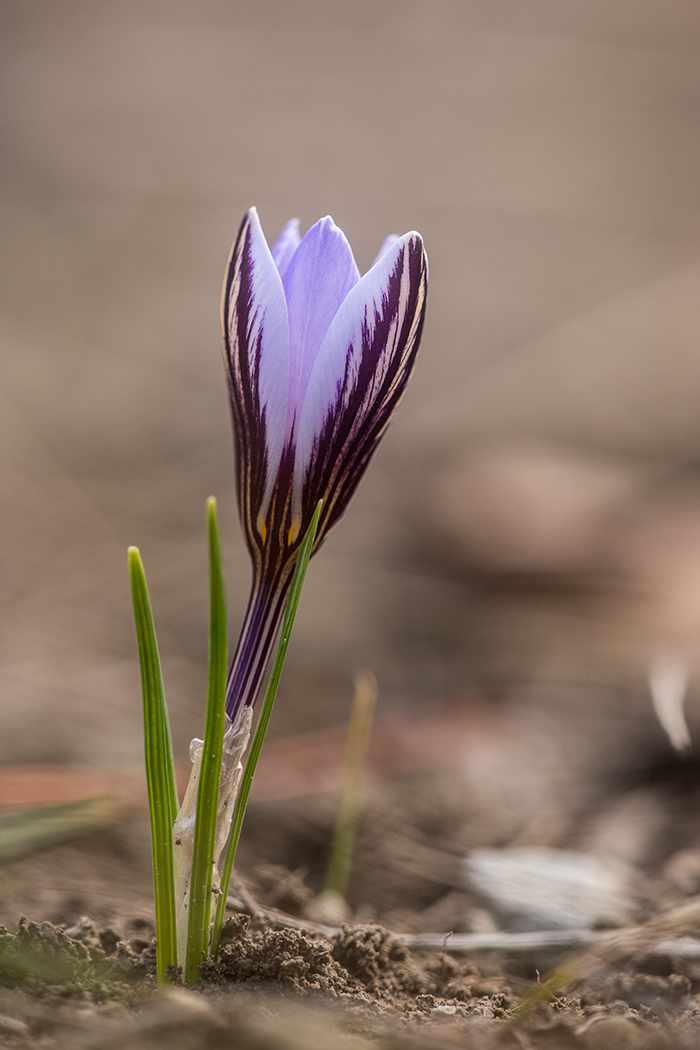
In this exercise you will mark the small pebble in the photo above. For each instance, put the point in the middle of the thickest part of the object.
(182, 1002)
(13, 1025)
(611, 1033)
(443, 1011)
(331, 908)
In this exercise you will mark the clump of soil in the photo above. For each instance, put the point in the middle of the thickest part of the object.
(45, 961)
(384, 991)
(286, 958)
(366, 964)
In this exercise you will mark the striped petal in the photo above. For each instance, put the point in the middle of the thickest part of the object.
(317, 281)
(358, 379)
(257, 348)
(286, 244)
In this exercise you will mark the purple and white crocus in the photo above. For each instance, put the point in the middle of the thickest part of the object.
(318, 359)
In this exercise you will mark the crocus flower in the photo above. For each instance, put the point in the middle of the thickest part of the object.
(318, 359)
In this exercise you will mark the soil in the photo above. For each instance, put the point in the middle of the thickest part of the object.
(285, 981)
(289, 976)
(287, 988)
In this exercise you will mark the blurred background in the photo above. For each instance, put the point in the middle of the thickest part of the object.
(529, 533)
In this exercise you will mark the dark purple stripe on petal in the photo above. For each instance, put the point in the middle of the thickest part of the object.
(256, 347)
(368, 393)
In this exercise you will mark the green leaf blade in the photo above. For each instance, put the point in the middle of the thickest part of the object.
(349, 803)
(160, 769)
(199, 909)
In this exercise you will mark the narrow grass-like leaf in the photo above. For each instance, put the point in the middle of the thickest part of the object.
(351, 790)
(261, 728)
(160, 770)
(32, 828)
(203, 858)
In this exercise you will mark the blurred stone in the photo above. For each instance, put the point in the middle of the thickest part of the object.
(481, 921)
(329, 907)
(682, 871)
(603, 1032)
(547, 889)
(450, 913)
(13, 1026)
(625, 830)
(668, 684)
(442, 1012)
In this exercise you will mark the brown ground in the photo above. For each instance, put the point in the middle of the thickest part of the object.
(279, 984)
(281, 987)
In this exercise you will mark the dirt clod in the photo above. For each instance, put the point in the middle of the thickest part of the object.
(45, 961)
(275, 957)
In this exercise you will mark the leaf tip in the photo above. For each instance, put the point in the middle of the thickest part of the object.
(134, 557)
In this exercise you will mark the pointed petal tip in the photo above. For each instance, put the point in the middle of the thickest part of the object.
(411, 242)
(412, 237)
(290, 227)
(326, 222)
(414, 240)
(285, 246)
(329, 237)
(251, 218)
(397, 243)
(321, 274)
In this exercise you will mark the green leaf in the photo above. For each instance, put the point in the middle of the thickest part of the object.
(351, 789)
(203, 858)
(263, 721)
(34, 828)
(160, 770)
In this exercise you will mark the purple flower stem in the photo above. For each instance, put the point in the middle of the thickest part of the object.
(256, 642)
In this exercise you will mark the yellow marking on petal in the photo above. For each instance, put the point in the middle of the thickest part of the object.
(293, 532)
(262, 529)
